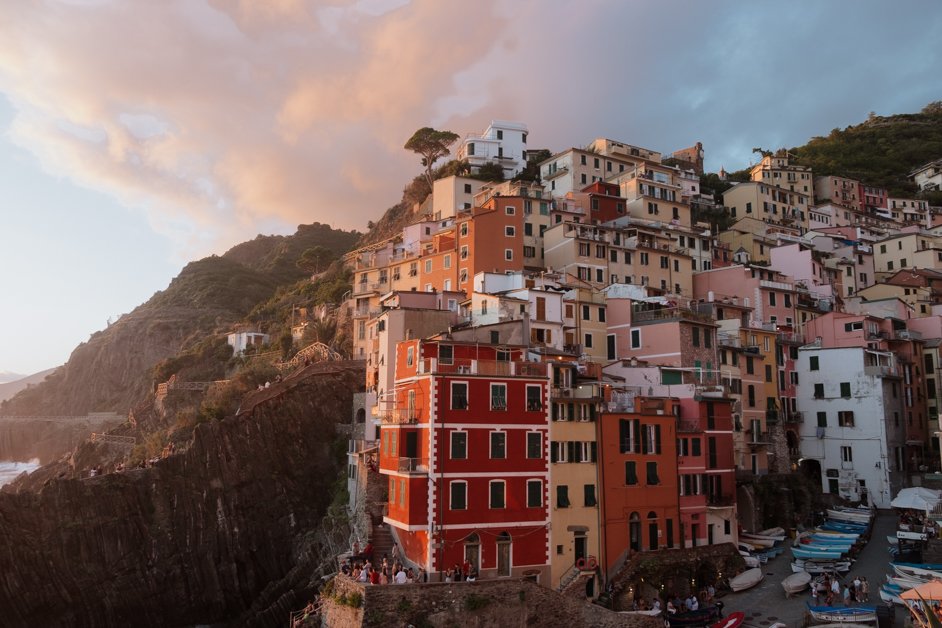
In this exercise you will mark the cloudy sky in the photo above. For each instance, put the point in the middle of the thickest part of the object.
(138, 135)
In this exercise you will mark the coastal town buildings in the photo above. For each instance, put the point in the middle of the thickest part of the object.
(564, 373)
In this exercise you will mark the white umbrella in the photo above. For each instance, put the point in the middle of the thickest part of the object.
(916, 498)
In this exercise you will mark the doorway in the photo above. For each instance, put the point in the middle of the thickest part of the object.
(503, 555)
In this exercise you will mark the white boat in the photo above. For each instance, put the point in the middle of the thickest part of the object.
(911, 535)
(796, 583)
(649, 613)
(844, 614)
(915, 571)
(890, 595)
(855, 516)
(756, 540)
(904, 583)
(831, 534)
(891, 539)
(750, 560)
(774, 532)
(747, 547)
(746, 580)
(821, 566)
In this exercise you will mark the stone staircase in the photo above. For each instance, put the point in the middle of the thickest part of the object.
(382, 541)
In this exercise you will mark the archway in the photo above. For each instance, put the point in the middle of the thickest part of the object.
(472, 551)
(652, 530)
(361, 415)
(634, 532)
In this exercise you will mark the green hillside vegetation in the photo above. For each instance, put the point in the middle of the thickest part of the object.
(881, 151)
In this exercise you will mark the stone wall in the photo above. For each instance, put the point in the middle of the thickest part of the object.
(673, 571)
(505, 603)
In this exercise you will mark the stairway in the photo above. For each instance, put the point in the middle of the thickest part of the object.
(382, 541)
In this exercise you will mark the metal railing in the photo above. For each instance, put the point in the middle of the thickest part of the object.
(413, 465)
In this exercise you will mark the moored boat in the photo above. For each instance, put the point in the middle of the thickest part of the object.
(803, 552)
(733, 620)
(821, 566)
(757, 541)
(843, 614)
(746, 579)
(796, 583)
(702, 617)
(854, 516)
(918, 570)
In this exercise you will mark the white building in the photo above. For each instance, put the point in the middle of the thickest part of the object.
(242, 340)
(502, 142)
(929, 176)
(573, 169)
(853, 430)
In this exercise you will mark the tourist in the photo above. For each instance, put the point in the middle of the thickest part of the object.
(423, 576)
(401, 577)
(374, 576)
(364, 575)
(711, 592)
(864, 589)
(448, 575)
(395, 552)
(671, 609)
(368, 551)
(473, 575)
(457, 572)
(835, 591)
(693, 604)
(466, 568)
(847, 598)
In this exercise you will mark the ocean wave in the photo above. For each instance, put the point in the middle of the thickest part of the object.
(10, 470)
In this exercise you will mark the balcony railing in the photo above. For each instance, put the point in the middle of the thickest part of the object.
(400, 416)
(771, 416)
(881, 370)
(483, 367)
(668, 314)
(413, 465)
(720, 501)
(795, 417)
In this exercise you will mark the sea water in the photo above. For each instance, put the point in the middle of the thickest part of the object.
(10, 470)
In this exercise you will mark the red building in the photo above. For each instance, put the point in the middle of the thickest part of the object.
(871, 198)
(638, 474)
(605, 201)
(465, 451)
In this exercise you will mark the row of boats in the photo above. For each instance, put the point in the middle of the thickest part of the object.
(828, 549)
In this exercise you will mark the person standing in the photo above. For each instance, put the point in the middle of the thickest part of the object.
(864, 589)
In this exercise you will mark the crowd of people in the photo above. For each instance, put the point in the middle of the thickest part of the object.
(675, 604)
(828, 591)
(385, 572)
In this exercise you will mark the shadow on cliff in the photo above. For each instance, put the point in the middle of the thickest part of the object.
(195, 539)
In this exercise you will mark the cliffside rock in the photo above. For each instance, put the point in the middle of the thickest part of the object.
(194, 539)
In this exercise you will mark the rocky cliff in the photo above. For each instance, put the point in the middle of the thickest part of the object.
(199, 538)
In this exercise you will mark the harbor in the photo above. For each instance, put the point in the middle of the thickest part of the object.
(766, 603)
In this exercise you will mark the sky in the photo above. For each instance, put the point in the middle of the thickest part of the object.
(138, 135)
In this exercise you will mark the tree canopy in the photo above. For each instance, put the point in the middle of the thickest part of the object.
(431, 144)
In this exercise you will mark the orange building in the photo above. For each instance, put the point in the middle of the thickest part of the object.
(638, 474)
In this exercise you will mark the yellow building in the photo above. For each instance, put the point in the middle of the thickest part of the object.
(574, 484)
(768, 203)
(908, 250)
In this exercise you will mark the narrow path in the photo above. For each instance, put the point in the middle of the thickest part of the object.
(766, 604)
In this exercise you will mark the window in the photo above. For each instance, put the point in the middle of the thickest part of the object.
(498, 396)
(707, 337)
(458, 495)
(845, 389)
(534, 445)
(847, 454)
(813, 363)
(768, 372)
(589, 494)
(585, 312)
(508, 254)
(459, 445)
(428, 266)
(402, 493)
(498, 445)
(562, 496)
(534, 397)
(446, 354)
(751, 400)
(652, 478)
(845, 418)
(459, 396)
(631, 473)
(510, 231)
(750, 366)
(467, 188)
(534, 493)
(497, 494)
(772, 299)
(510, 210)
(822, 419)
(601, 314)
(587, 341)
(696, 336)
(410, 356)
(635, 338)
(464, 229)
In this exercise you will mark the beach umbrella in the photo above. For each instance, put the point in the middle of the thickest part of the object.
(930, 591)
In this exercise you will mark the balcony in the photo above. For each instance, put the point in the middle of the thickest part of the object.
(759, 439)
(400, 416)
(413, 465)
(721, 501)
(771, 416)
(483, 367)
(666, 314)
(791, 337)
(881, 370)
(795, 417)
(905, 334)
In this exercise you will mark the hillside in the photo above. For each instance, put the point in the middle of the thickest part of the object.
(881, 151)
(10, 388)
(113, 370)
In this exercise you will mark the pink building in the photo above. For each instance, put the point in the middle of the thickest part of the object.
(771, 294)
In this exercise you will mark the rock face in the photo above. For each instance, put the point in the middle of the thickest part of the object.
(46, 439)
(194, 539)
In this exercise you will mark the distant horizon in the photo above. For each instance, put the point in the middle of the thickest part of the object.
(122, 159)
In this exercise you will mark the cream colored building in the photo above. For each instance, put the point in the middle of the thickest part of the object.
(573, 169)
(909, 250)
(767, 202)
(838, 190)
(777, 170)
